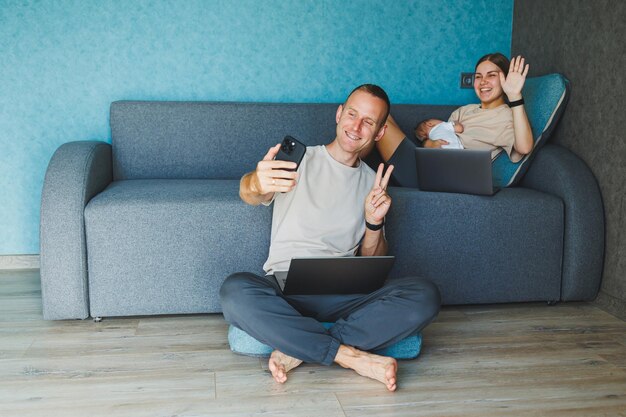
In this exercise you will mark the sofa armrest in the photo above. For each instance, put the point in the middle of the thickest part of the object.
(558, 171)
(77, 172)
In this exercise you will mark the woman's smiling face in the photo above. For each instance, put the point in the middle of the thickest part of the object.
(487, 84)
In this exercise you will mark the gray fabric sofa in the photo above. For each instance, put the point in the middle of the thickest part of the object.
(152, 223)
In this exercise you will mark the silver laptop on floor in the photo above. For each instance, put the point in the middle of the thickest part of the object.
(466, 171)
(335, 275)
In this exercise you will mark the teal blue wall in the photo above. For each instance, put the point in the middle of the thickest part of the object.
(62, 62)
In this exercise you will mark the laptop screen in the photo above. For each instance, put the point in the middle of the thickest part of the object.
(465, 171)
(337, 275)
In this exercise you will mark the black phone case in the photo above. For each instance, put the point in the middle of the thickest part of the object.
(291, 150)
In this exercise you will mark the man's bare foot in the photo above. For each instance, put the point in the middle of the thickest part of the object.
(380, 368)
(280, 364)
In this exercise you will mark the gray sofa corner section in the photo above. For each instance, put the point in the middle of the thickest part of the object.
(162, 237)
(558, 171)
(77, 172)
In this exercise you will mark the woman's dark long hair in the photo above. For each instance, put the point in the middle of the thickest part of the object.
(497, 58)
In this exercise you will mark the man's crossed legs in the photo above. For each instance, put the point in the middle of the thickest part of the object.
(292, 324)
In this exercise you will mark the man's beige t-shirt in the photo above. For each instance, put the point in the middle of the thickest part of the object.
(324, 215)
(488, 129)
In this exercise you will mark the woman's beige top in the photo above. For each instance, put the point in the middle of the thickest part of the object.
(488, 129)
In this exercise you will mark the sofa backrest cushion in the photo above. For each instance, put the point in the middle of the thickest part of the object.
(545, 99)
(204, 140)
(220, 140)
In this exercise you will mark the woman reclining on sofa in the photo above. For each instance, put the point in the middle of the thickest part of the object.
(491, 125)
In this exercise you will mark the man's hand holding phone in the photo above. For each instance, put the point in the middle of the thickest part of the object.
(274, 175)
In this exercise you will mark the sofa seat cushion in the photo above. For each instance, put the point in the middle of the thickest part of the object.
(166, 246)
(242, 343)
(478, 249)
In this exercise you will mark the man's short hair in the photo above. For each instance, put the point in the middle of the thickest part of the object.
(376, 91)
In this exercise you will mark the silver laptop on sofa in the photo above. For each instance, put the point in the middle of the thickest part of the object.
(465, 171)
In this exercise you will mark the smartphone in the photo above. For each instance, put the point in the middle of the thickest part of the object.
(291, 150)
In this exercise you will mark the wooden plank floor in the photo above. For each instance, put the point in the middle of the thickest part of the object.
(506, 360)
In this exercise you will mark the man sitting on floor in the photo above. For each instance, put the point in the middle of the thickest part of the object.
(334, 205)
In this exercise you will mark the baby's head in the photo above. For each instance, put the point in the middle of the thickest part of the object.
(423, 128)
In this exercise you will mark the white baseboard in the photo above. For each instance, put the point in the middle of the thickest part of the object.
(19, 262)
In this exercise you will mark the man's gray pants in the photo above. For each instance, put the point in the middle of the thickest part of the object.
(292, 324)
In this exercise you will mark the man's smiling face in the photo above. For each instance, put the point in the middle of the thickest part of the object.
(359, 122)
